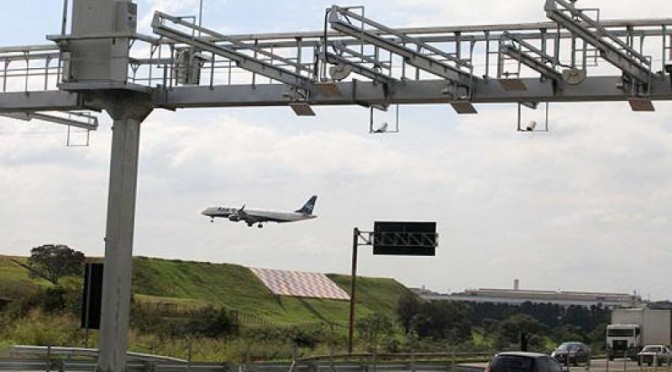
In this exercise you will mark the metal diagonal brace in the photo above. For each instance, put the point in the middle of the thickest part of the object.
(611, 48)
(364, 71)
(243, 61)
(412, 57)
(75, 119)
(531, 57)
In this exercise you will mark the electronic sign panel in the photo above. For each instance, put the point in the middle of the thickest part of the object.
(92, 296)
(405, 238)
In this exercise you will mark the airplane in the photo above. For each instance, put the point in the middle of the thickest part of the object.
(252, 216)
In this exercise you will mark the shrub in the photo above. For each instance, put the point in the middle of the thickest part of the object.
(40, 328)
(209, 322)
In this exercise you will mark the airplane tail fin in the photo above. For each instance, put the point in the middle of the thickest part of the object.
(308, 207)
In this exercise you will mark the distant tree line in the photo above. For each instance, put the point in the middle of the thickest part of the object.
(501, 325)
(549, 315)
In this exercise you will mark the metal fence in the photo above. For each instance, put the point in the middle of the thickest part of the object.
(61, 359)
(24, 365)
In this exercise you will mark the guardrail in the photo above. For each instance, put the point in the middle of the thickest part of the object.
(78, 352)
(65, 359)
(29, 365)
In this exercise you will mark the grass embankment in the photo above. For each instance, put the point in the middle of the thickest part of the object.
(236, 287)
(197, 284)
(193, 285)
(14, 280)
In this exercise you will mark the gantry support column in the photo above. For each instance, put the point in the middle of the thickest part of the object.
(98, 69)
(117, 274)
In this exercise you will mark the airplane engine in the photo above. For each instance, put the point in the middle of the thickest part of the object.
(234, 218)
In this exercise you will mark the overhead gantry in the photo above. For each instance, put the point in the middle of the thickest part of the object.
(355, 60)
(104, 64)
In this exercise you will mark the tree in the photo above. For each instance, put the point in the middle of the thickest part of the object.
(52, 262)
(515, 325)
(408, 306)
(569, 332)
(374, 328)
(443, 320)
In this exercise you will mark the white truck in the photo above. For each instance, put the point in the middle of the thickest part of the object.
(631, 329)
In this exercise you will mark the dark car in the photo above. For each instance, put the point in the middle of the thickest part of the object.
(572, 353)
(522, 361)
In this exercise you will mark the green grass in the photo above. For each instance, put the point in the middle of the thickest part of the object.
(14, 279)
(236, 287)
(196, 284)
(479, 338)
(377, 295)
(10, 270)
(187, 286)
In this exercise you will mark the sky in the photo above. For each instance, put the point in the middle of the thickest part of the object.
(583, 207)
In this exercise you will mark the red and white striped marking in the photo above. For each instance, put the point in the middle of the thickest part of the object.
(300, 284)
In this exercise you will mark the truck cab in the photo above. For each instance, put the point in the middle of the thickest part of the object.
(623, 340)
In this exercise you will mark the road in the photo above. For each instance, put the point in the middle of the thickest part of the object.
(603, 365)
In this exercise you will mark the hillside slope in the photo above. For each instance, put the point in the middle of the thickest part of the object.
(197, 284)
(236, 287)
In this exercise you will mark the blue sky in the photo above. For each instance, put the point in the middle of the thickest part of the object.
(583, 207)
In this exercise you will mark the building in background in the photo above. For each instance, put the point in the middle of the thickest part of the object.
(517, 296)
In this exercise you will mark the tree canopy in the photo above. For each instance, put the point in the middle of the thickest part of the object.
(52, 262)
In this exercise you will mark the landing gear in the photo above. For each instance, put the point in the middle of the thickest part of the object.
(260, 226)
(212, 219)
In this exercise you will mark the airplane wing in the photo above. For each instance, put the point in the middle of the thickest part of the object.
(252, 218)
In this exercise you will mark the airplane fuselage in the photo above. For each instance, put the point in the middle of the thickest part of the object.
(256, 216)
(274, 216)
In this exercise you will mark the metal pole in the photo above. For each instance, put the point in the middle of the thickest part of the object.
(200, 14)
(189, 354)
(89, 269)
(119, 244)
(625, 360)
(332, 368)
(48, 358)
(519, 116)
(65, 17)
(353, 278)
(655, 362)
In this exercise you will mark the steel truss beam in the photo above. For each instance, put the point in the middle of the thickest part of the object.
(40, 101)
(243, 61)
(74, 119)
(401, 88)
(340, 58)
(530, 56)
(611, 48)
(593, 89)
(340, 20)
